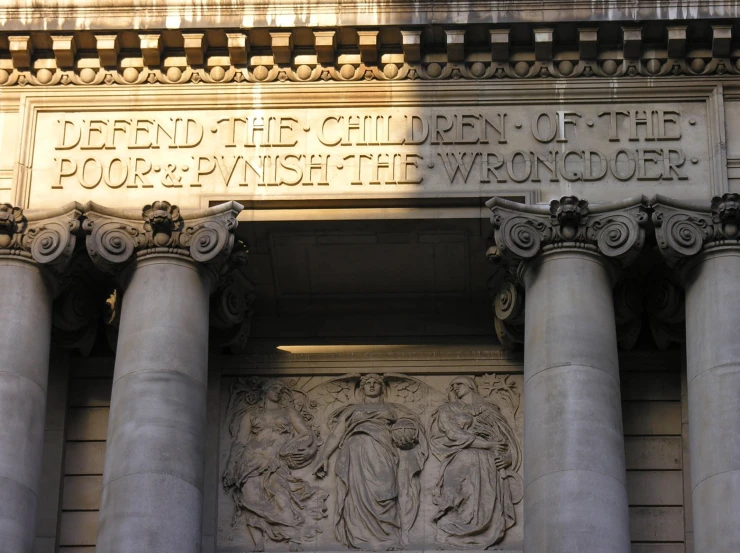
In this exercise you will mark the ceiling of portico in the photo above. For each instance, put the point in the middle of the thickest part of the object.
(324, 279)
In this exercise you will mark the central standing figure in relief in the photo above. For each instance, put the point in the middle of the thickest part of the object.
(382, 449)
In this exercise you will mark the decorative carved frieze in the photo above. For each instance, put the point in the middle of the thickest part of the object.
(45, 237)
(372, 462)
(684, 229)
(116, 237)
(405, 54)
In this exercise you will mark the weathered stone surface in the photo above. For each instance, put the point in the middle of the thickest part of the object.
(155, 445)
(352, 468)
(703, 242)
(575, 484)
(34, 250)
(278, 152)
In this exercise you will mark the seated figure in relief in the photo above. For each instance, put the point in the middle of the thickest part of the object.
(475, 445)
(270, 439)
(382, 448)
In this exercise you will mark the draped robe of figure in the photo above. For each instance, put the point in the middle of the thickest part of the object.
(283, 506)
(473, 496)
(377, 483)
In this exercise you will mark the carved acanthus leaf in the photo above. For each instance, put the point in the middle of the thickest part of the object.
(684, 229)
(616, 230)
(205, 236)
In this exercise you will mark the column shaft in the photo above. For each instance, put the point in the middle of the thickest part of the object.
(713, 376)
(153, 481)
(575, 497)
(25, 329)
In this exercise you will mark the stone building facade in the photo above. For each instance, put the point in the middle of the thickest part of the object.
(329, 276)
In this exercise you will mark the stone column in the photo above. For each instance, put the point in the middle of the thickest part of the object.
(702, 242)
(575, 496)
(169, 262)
(34, 249)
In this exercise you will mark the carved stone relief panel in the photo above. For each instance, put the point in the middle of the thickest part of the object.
(373, 462)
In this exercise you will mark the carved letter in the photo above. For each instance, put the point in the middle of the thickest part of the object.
(67, 141)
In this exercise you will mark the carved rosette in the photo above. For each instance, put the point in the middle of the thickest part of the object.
(685, 229)
(521, 232)
(45, 237)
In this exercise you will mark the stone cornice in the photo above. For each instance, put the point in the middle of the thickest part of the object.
(685, 229)
(205, 14)
(115, 237)
(616, 230)
(401, 53)
(45, 237)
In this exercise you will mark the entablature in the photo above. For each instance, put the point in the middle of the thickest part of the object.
(364, 51)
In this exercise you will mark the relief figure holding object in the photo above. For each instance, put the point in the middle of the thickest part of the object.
(478, 485)
(270, 440)
(382, 448)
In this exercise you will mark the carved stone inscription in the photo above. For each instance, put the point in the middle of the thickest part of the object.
(371, 462)
(277, 153)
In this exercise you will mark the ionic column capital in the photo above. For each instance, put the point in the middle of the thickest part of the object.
(685, 229)
(115, 238)
(45, 237)
(521, 232)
